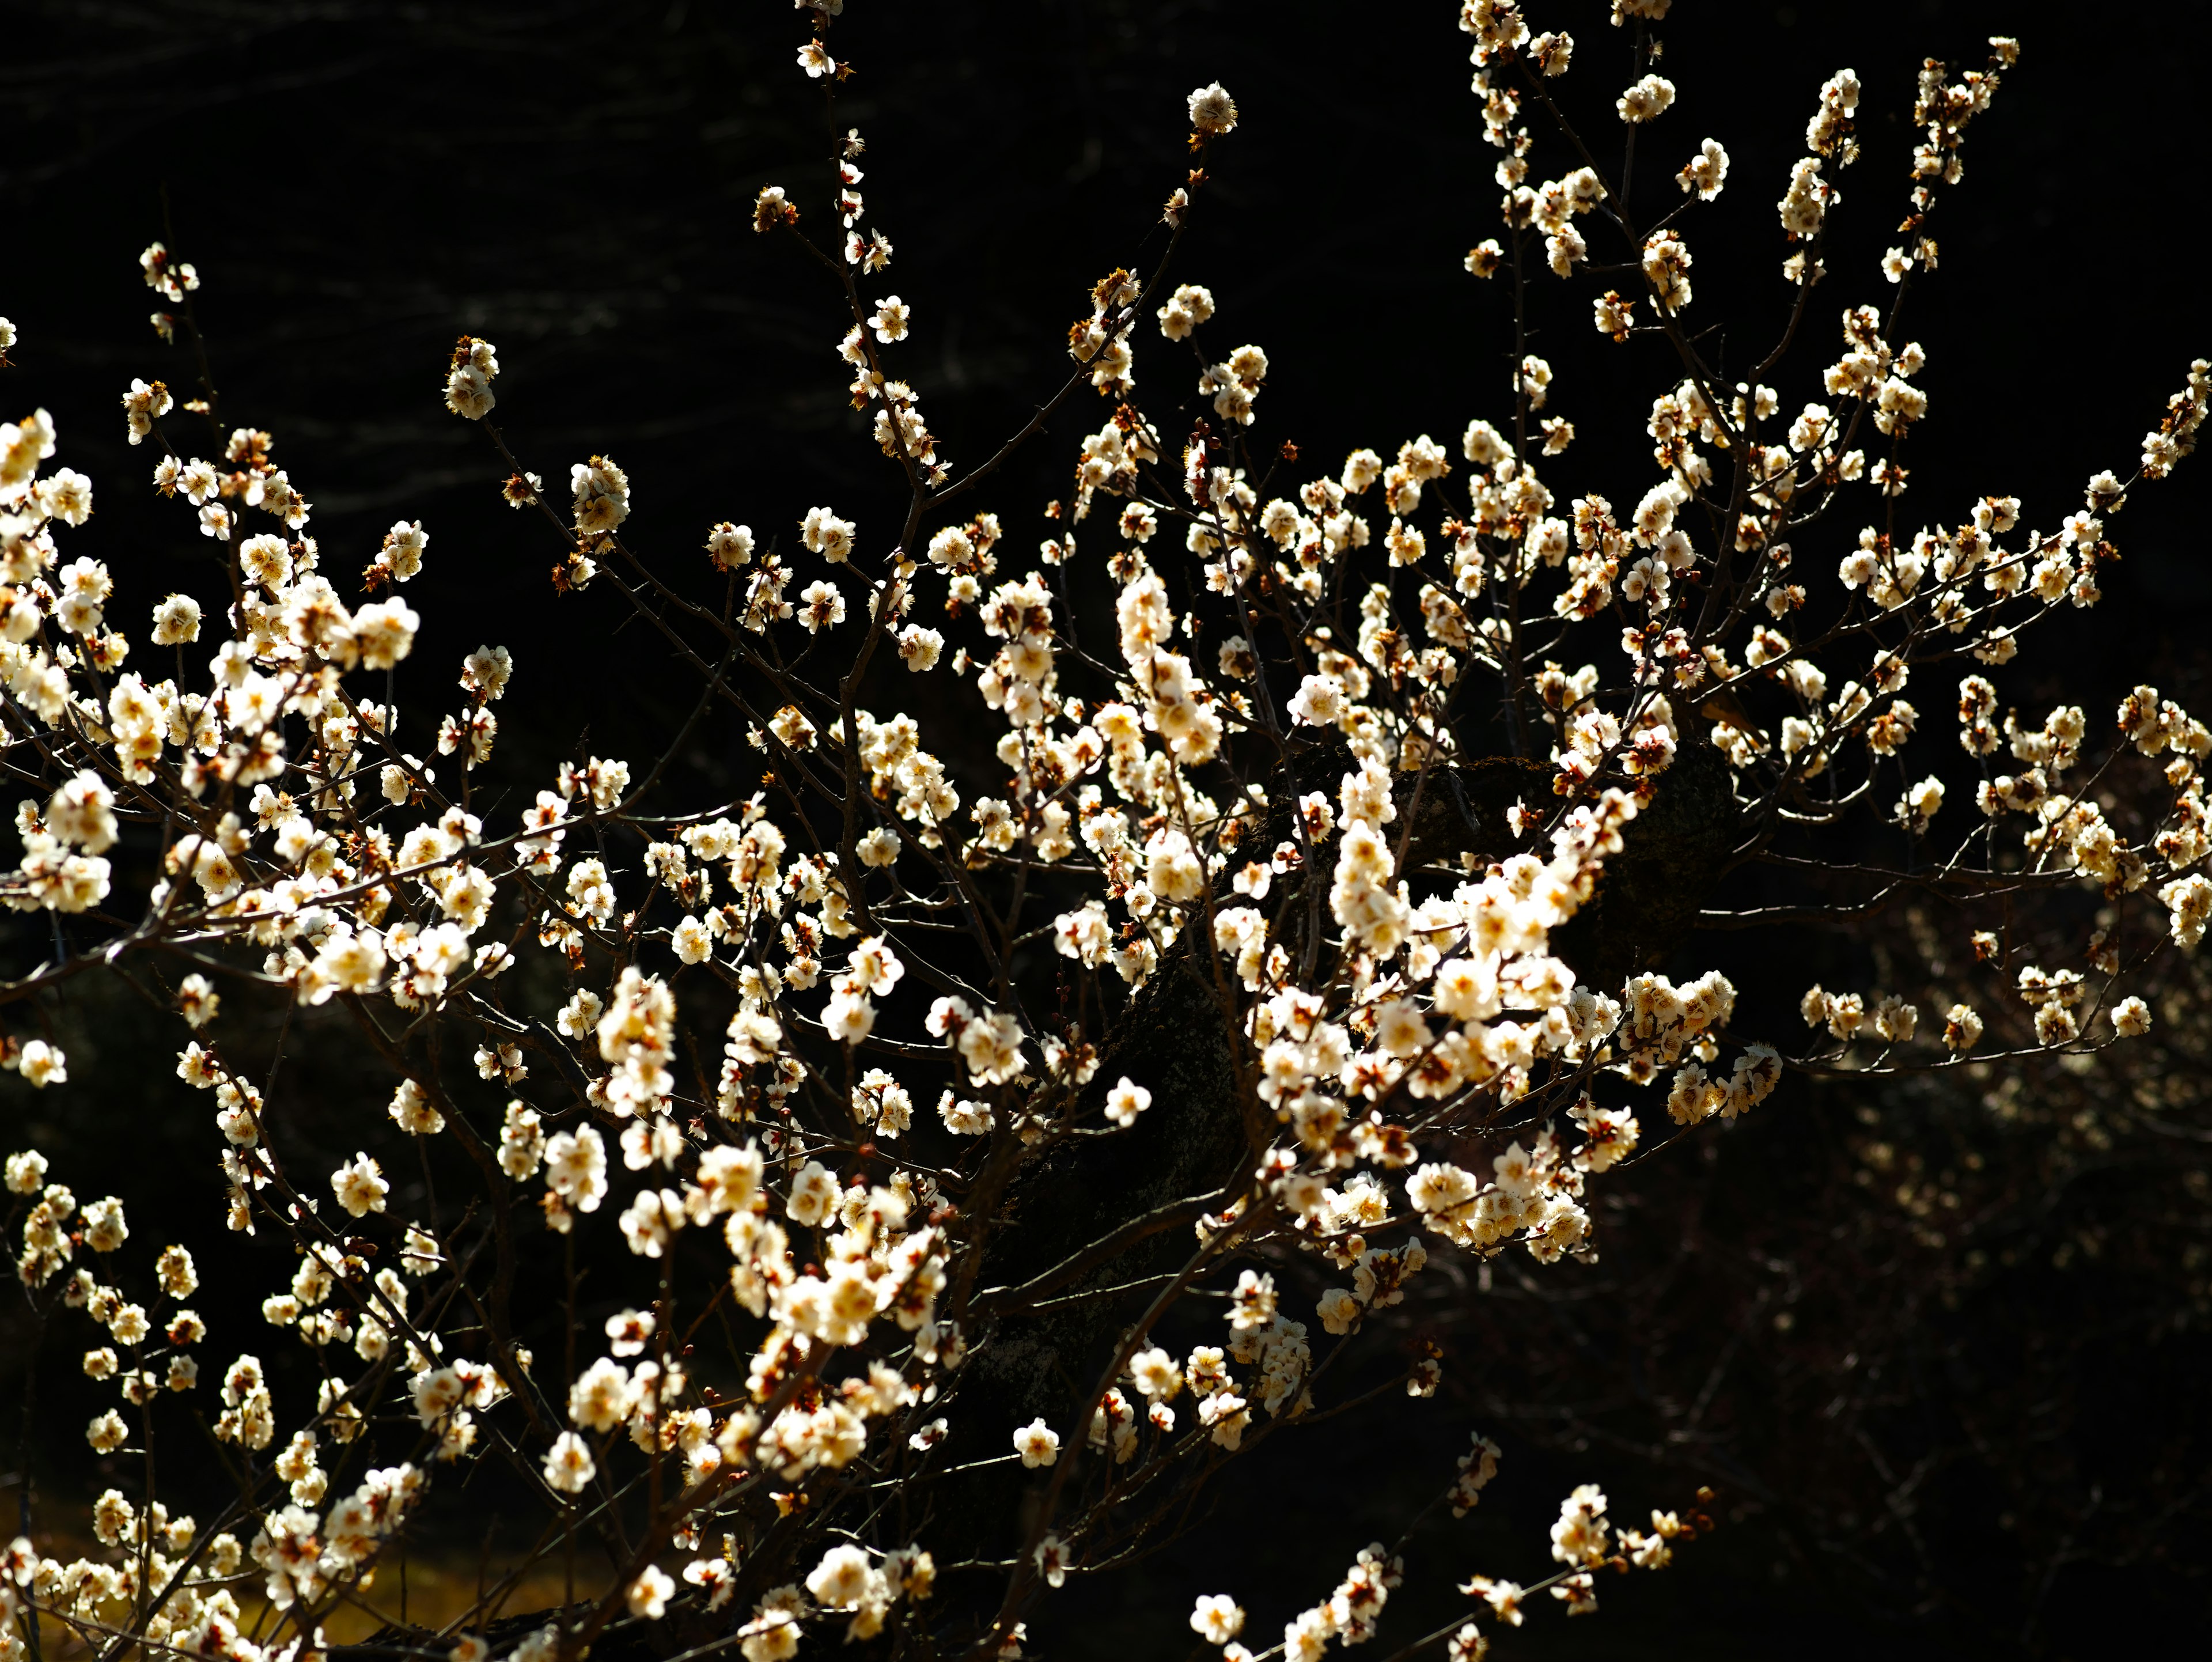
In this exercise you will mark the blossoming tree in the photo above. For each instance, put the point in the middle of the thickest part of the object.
(1070, 1123)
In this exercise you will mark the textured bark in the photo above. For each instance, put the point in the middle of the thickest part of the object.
(644, 1643)
(1173, 1039)
(1671, 856)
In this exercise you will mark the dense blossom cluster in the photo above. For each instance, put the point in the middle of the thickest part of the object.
(1420, 1062)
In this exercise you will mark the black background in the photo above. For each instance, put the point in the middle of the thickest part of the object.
(358, 185)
